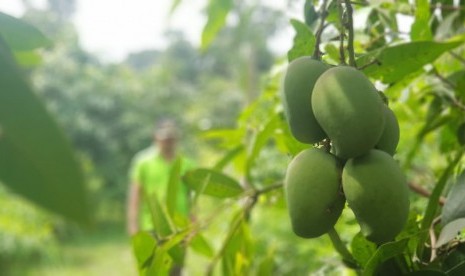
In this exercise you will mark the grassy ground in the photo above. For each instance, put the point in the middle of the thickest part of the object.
(103, 252)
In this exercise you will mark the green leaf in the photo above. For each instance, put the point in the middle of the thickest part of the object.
(420, 27)
(458, 79)
(228, 158)
(454, 208)
(434, 109)
(310, 14)
(236, 248)
(36, 160)
(233, 245)
(432, 206)
(200, 245)
(175, 239)
(143, 245)
(173, 187)
(362, 249)
(450, 231)
(445, 26)
(396, 62)
(20, 35)
(161, 264)
(174, 246)
(213, 183)
(260, 140)
(458, 270)
(174, 5)
(226, 137)
(28, 59)
(217, 12)
(333, 14)
(266, 266)
(161, 220)
(233, 241)
(384, 252)
(332, 51)
(304, 41)
(286, 142)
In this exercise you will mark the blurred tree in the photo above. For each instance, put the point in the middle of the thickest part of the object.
(63, 8)
(108, 110)
(143, 60)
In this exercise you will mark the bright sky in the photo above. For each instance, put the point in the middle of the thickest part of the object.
(114, 28)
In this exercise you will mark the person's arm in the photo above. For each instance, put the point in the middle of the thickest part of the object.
(133, 208)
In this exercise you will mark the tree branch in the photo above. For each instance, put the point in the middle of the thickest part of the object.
(350, 28)
(324, 13)
(270, 188)
(342, 55)
(447, 7)
(458, 57)
(433, 238)
(453, 99)
(424, 192)
(361, 3)
(443, 79)
(373, 62)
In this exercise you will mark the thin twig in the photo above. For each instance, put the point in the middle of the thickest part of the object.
(350, 28)
(451, 85)
(443, 79)
(458, 57)
(447, 7)
(361, 3)
(270, 188)
(423, 192)
(342, 55)
(373, 62)
(433, 238)
(324, 13)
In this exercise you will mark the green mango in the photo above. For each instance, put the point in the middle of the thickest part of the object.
(313, 192)
(390, 137)
(376, 191)
(348, 108)
(300, 78)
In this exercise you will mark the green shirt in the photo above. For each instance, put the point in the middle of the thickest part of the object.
(152, 172)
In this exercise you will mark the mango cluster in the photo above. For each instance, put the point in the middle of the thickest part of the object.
(340, 107)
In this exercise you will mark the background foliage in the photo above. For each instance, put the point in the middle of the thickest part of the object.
(226, 97)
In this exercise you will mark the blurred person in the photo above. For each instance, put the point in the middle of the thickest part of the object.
(149, 176)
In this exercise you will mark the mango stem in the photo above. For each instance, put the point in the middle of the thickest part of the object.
(342, 249)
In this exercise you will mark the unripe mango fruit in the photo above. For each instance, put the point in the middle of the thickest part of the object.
(313, 192)
(377, 192)
(390, 137)
(348, 108)
(300, 78)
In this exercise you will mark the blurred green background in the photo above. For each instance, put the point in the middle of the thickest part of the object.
(107, 109)
(223, 95)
